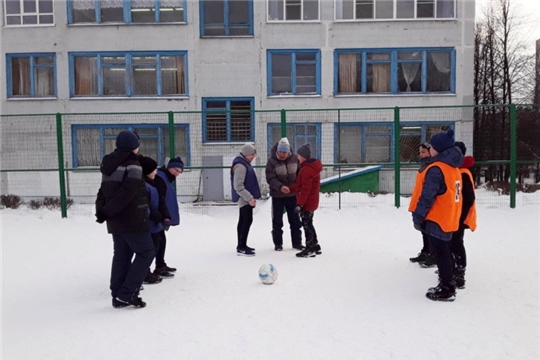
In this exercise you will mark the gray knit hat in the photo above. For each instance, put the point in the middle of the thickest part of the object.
(248, 149)
(305, 151)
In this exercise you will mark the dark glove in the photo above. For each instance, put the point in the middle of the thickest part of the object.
(100, 217)
(419, 227)
(298, 209)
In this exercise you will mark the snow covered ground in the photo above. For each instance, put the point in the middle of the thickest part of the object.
(361, 299)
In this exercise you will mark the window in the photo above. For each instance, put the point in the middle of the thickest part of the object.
(357, 143)
(129, 74)
(294, 72)
(298, 135)
(414, 134)
(394, 71)
(31, 75)
(226, 17)
(293, 10)
(395, 9)
(126, 11)
(228, 119)
(28, 12)
(92, 142)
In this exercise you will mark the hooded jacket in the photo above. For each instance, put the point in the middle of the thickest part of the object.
(122, 197)
(308, 184)
(281, 173)
(434, 186)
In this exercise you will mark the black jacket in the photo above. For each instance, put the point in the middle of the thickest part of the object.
(281, 173)
(122, 197)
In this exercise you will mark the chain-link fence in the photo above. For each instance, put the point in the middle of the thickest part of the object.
(369, 155)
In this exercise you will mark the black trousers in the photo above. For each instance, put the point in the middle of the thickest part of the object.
(278, 205)
(458, 247)
(426, 248)
(160, 249)
(443, 257)
(127, 276)
(244, 224)
(309, 230)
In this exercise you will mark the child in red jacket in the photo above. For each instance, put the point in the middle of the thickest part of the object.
(307, 187)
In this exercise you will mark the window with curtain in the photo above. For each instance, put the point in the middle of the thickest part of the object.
(395, 71)
(126, 11)
(226, 17)
(293, 72)
(228, 119)
(394, 9)
(28, 12)
(293, 10)
(298, 134)
(129, 74)
(31, 75)
(92, 142)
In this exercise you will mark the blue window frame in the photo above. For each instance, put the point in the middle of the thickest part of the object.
(298, 134)
(226, 17)
(126, 11)
(293, 72)
(395, 71)
(91, 142)
(128, 74)
(228, 119)
(31, 75)
(356, 143)
(293, 10)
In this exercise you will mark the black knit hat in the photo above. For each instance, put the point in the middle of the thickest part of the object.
(462, 147)
(176, 163)
(148, 164)
(127, 141)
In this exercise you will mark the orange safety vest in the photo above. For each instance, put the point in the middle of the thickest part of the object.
(446, 209)
(470, 220)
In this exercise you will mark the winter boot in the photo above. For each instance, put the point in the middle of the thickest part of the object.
(169, 269)
(151, 279)
(310, 252)
(298, 246)
(428, 262)
(422, 255)
(163, 273)
(459, 277)
(442, 292)
(278, 247)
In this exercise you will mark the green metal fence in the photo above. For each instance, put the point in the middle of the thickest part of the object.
(58, 155)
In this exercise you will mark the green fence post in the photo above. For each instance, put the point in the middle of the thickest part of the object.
(61, 172)
(171, 135)
(397, 175)
(283, 123)
(513, 155)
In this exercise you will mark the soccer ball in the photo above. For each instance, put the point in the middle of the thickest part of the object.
(268, 274)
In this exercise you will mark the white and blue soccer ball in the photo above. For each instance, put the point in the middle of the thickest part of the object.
(268, 274)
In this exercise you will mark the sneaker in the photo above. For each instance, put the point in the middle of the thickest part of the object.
(169, 269)
(136, 302)
(250, 248)
(299, 247)
(118, 304)
(161, 272)
(244, 251)
(420, 258)
(442, 293)
(278, 247)
(151, 279)
(428, 262)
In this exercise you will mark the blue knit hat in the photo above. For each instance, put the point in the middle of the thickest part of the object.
(442, 140)
(176, 163)
(127, 141)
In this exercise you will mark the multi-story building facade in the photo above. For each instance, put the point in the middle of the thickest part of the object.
(87, 56)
